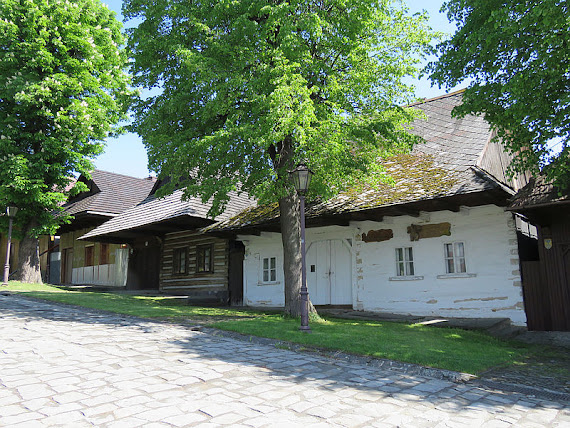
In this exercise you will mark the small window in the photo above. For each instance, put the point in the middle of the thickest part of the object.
(269, 271)
(89, 255)
(404, 261)
(104, 254)
(455, 258)
(179, 258)
(205, 259)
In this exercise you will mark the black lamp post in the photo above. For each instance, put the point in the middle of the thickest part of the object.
(301, 179)
(11, 212)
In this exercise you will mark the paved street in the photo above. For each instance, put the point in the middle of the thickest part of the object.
(62, 366)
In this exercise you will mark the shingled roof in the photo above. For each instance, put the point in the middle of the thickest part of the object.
(443, 173)
(158, 215)
(539, 192)
(109, 194)
(457, 142)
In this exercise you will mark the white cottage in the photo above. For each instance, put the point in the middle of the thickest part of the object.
(438, 243)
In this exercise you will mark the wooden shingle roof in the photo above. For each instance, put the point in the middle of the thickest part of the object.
(159, 214)
(539, 192)
(110, 194)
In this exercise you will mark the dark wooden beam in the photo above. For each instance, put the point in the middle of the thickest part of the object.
(111, 240)
(328, 221)
(373, 215)
(405, 210)
(229, 235)
(161, 228)
(445, 204)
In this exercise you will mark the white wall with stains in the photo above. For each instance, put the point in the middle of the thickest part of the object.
(491, 287)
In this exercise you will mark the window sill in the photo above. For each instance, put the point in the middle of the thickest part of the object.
(406, 278)
(457, 275)
(261, 284)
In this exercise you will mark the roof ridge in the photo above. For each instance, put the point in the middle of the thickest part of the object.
(438, 97)
(122, 175)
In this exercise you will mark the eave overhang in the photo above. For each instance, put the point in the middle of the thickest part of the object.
(126, 236)
(497, 196)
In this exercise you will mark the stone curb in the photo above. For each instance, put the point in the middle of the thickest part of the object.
(529, 391)
(343, 357)
(396, 366)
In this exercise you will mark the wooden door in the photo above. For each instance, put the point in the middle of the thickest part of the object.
(563, 321)
(235, 273)
(536, 297)
(341, 273)
(329, 273)
(148, 264)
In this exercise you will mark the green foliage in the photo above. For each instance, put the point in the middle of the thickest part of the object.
(252, 87)
(63, 91)
(518, 54)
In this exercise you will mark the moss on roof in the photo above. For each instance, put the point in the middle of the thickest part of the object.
(409, 178)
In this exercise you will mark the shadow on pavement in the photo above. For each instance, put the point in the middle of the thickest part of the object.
(218, 354)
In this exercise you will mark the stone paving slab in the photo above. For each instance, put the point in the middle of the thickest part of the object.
(68, 366)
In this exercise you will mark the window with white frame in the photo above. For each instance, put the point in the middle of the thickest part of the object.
(269, 271)
(404, 261)
(455, 257)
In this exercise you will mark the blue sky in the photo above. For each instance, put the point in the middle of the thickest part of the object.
(127, 155)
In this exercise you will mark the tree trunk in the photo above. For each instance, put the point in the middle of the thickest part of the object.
(29, 259)
(291, 237)
(290, 232)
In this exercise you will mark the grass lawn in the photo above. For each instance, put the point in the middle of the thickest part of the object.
(446, 348)
(140, 306)
(452, 349)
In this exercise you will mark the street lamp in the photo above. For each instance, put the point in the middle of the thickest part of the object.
(11, 212)
(301, 179)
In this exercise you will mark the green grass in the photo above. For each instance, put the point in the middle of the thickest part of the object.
(452, 349)
(141, 306)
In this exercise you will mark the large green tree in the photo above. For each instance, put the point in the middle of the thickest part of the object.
(517, 53)
(63, 90)
(252, 87)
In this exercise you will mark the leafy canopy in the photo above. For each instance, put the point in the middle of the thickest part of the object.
(518, 54)
(251, 87)
(64, 88)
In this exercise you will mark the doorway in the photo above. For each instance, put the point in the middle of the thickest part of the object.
(235, 273)
(329, 272)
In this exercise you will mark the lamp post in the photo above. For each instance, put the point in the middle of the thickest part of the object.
(301, 179)
(11, 212)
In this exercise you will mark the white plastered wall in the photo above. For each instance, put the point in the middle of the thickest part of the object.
(491, 288)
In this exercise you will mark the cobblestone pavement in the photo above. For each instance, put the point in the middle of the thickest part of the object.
(65, 366)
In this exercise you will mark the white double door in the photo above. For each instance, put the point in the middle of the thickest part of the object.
(329, 272)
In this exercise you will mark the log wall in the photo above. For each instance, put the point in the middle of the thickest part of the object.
(199, 286)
